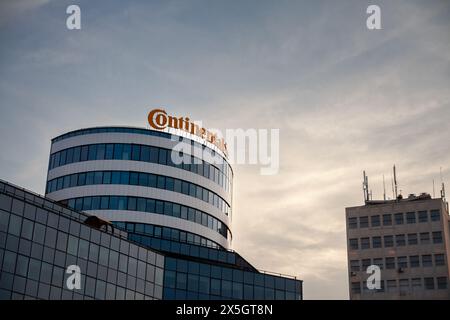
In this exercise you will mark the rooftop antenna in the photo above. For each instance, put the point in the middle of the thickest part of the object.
(395, 182)
(443, 186)
(434, 191)
(365, 187)
(392, 183)
(384, 189)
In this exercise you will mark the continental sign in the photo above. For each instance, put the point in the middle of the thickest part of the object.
(160, 120)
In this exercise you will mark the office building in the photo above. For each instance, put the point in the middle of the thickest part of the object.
(408, 239)
(164, 228)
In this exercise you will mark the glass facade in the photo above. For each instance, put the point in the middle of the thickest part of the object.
(40, 238)
(142, 179)
(220, 173)
(149, 205)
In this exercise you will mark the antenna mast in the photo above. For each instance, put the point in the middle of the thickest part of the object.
(443, 186)
(395, 182)
(365, 187)
(384, 189)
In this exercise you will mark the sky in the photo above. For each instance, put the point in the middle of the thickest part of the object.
(345, 98)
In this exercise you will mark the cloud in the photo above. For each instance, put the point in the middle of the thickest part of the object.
(345, 99)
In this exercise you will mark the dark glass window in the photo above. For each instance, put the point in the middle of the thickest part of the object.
(134, 178)
(435, 215)
(124, 177)
(161, 182)
(162, 156)
(387, 219)
(107, 177)
(427, 261)
(154, 154)
(414, 261)
(376, 242)
(115, 177)
(400, 240)
(92, 152)
(375, 221)
(411, 217)
(118, 148)
(365, 243)
(100, 151)
(126, 152)
(353, 243)
(152, 180)
(423, 216)
(109, 151)
(412, 239)
(145, 153)
(98, 177)
(143, 179)
(399, 219)
(135, 152)
(76, 154)
(437, 237)
(439, 259)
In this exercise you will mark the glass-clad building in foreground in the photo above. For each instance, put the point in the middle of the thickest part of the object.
(169, 232)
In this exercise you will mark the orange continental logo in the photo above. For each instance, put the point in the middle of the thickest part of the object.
(160, 120)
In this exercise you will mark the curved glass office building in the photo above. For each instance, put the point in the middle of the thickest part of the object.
(155, 185)
(172, 233)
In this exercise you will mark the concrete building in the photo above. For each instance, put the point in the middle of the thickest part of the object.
(408, 239)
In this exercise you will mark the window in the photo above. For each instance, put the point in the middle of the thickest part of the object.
(391, 285)
(423, 216)
(162, 156)
(411, 217)
(84, 153)
(363, 222)
(109, 151)
(354, 265)
(435, 215)
(134, 178)
(414, 261)
(429, 283)
(399, 219)
(366, 263)
(441, 282)
(376, 242)
(404, 285)
(416, 283)
(437, 237)
(118, 147)
(356, 287)
(107, 177)
(352, 242)
(402, 262)
(365, 243)
(145, 153)
(124, 177)
(387, 219)
(135, 152)
(439, 259)
(426, 260)
(400, 240)
(92, 154)
(375, 221)
(100, 151)
(412, 239)
(388, 241)
(378, 262)
(425, 238)
(126, 152)
(390, 263)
